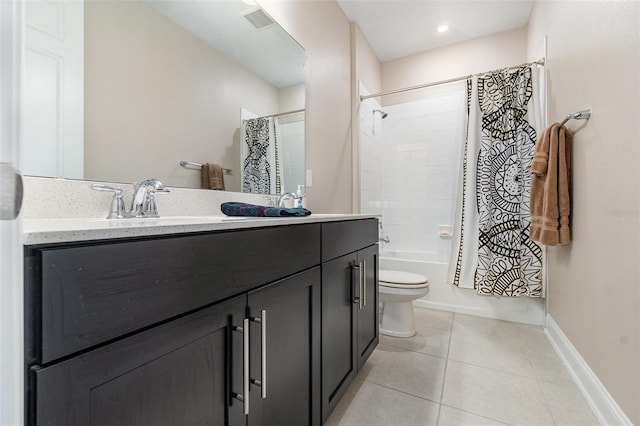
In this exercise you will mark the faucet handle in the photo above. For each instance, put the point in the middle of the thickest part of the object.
(117, 210)
(150, 208)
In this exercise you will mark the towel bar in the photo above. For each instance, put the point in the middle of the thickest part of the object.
(189, 163)
(580, 115)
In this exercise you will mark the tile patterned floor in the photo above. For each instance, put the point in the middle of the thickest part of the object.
(461, 370)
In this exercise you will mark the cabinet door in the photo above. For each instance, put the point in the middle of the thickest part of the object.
(176, 373)
(285, 349)
(368, 309)
(339, 319)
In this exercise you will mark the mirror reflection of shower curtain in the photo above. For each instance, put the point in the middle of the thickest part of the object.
(260, 156)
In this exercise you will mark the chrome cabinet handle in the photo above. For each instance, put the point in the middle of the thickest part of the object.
(245, 374)
(263, 353)
(364, 283)
(356, 297)
(362, 295)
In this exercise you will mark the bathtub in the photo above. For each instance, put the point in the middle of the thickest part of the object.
(445, 296)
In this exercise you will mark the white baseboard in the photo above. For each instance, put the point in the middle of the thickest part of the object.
(602, 403)
(532, 316)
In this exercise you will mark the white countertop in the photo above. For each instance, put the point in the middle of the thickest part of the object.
(48, 231)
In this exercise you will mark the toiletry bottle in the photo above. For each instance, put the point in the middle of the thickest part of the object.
(300, 201)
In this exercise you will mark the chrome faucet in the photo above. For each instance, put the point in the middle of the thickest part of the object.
(284, 197)
(381, 236)
(144, 202)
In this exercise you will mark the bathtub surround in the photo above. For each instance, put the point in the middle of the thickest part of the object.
(371, 156)
(418, 151)
(416, 200)
(406, 251)
(420, 143)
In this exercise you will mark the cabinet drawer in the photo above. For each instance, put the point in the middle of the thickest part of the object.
(340, 238)
(88, 294)
(174, 374)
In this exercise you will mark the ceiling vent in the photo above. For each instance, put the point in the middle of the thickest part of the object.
(259, 19)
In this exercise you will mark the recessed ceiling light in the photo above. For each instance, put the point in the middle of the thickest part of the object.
(443, 28)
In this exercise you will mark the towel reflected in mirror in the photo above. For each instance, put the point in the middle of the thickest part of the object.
(212, 177)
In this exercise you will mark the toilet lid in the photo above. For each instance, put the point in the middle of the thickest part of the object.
(402, 279)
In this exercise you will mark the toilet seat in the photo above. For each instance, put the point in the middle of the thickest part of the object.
(397, 291)
(402, 279)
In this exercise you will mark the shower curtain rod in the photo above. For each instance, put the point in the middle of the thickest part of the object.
(451, 80)
(277, 115)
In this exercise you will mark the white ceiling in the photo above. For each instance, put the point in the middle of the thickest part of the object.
(398, 28)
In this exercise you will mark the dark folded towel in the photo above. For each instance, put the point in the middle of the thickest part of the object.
(244, 209)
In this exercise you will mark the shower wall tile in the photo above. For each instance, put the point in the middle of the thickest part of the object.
(370, 156)
(420, 159)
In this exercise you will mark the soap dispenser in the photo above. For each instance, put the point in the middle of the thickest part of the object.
(300, 198)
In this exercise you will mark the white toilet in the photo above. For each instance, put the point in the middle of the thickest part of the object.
(398, 289)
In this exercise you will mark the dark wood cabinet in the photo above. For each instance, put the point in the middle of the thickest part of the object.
(85, 294)
(288, 366)
(368, 322)
(188, 370)
(200, 329)
(176, 373)
(339, 363)
(349, 309)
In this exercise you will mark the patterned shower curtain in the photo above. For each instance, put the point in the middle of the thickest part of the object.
(494, 254)
(261, 170)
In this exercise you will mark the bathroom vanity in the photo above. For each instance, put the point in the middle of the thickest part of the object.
(258, 322)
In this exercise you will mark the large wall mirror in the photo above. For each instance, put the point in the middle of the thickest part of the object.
(125, 90)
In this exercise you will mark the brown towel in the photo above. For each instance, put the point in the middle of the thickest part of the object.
(212, 176)
(550, 186)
